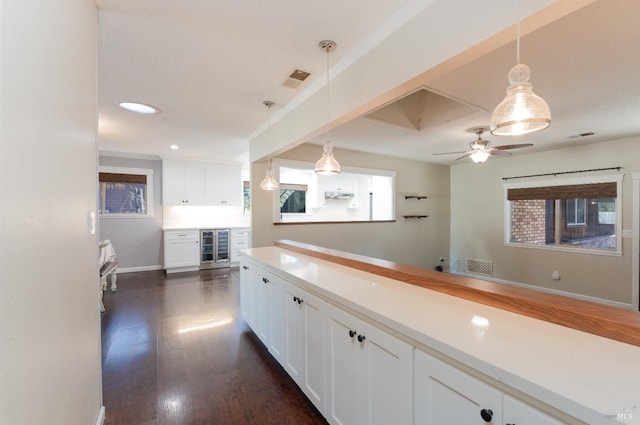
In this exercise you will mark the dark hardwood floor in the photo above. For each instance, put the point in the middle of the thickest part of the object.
(176, 351)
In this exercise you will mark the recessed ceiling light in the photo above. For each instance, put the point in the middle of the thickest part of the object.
(139, 108)
(174, 147)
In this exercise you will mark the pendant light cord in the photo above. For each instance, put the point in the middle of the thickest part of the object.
(328, 48)
(518, 35)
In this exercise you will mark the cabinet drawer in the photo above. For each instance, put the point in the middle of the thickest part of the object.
(239, 244)
(182, 235)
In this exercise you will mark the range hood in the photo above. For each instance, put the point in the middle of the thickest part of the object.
(338, 195)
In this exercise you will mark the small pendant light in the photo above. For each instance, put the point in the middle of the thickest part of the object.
(269, 183)
(327, 165)
(521, 111)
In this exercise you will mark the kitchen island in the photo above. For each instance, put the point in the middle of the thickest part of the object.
(461, 361)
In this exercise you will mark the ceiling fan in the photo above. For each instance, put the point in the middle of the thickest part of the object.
(480, 149)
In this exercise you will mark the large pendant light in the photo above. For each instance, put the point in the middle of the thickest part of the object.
(269, 183)
(521, 111)
(327, 165)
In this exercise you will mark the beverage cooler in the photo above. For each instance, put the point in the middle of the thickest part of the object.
(214, 248)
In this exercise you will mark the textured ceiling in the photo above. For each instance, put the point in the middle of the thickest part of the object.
(208, 65)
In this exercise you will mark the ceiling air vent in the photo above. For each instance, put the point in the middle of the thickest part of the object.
(295, 78)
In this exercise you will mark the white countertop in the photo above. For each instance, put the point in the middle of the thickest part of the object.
(178, 228)
(584, 375)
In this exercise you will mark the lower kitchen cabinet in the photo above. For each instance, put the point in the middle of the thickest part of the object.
(305, 346)
(181, 249)
(255, 297)
(370, 373)
(446, 395)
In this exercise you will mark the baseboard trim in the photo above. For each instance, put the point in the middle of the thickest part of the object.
(547, 290)
(100, 418)
(138, 269)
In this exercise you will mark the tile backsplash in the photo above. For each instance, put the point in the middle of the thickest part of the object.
(204, 216)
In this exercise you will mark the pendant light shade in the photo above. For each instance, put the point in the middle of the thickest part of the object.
(269, 183)
(327, 164)
(521, 111)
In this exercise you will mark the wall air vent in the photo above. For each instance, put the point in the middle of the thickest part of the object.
(296, 78)
(484, 267)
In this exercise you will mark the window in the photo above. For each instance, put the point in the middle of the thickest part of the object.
(125, 192)
(293, 198)
(246, 197)
(575, 211)
(356, 194)
(585, 216)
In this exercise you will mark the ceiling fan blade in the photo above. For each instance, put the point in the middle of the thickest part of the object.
(466, 155)
(498, 152)
(520, 145)
(449, 153)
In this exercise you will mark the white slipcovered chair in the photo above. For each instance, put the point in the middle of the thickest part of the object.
(108, 263)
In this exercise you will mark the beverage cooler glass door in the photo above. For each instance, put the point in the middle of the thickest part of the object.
(222, 245)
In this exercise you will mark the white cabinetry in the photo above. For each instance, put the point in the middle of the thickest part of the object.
(370, 373)
(182, 183)
(200, 183)
(223, 185)
(255, 298)
(304, 356)
(446, 395)
(239, 240)
(181, 250)
(515, 412)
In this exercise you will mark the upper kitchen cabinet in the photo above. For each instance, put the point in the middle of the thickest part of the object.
(182, 183)
(200, 183)
(223, 185)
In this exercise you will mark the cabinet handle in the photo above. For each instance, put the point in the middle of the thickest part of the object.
(352, 333)
(299, 300)
(486, 415)
(245, 267)
(361, 338)
(295, 299)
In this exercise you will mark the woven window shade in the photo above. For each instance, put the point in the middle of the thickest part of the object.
(122, 178)
(578, 191)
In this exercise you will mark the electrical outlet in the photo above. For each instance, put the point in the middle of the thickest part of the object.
(555, 275)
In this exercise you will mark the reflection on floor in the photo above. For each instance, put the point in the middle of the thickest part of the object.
(175, 351)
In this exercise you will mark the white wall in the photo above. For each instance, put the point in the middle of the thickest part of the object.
(415, 242)
(137, 241)
(477, 224)
(49, 303)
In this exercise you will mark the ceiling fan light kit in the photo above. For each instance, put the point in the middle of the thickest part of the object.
(327, 165)
(269, 183)
(480, 151)
(521, 111)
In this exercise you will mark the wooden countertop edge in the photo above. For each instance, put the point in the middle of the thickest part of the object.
(591, 317)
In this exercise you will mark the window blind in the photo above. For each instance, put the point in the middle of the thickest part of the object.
(578, 191)
(122, 178)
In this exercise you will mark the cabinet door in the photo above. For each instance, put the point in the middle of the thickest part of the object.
(515, 412)
(315, 325)
(194, 183)
(246, 299)
(262, 308)
(278, 318)
(294, 335)
(172, 183)
(181, 249)
(223, 185)
(386, 388)
(446, 395)
(343, 353)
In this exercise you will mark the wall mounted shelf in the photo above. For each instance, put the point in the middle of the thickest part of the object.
(415, 216)
(415, 197)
